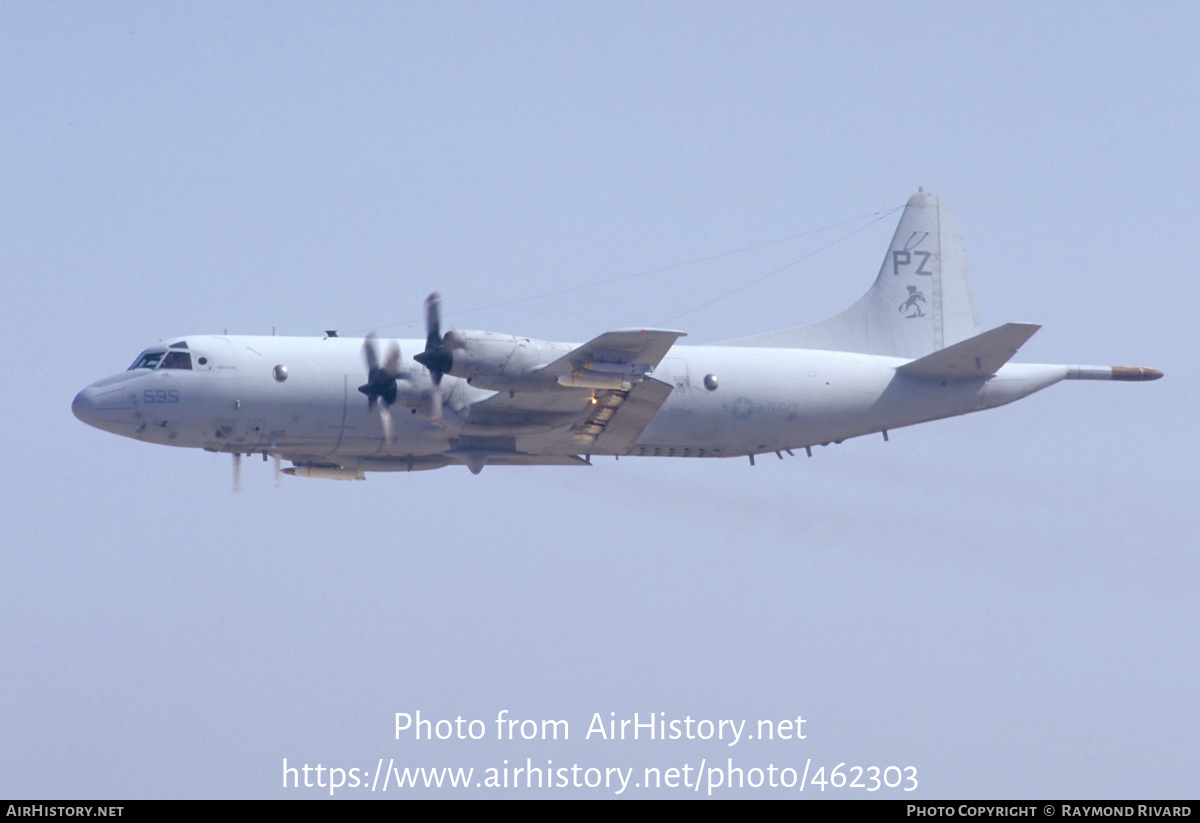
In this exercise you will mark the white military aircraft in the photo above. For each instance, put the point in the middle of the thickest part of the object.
(910, 350)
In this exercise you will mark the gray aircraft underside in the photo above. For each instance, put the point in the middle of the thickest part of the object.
(911, 350)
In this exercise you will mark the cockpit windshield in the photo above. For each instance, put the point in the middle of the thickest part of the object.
(174, 356)
(147, 360)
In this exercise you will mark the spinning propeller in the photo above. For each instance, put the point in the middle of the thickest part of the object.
(381, 381)
(381, 386)
(438, 356)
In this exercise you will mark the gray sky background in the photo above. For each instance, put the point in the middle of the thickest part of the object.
(1005, 601)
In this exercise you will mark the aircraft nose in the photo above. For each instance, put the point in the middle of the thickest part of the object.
(84, 405)
(110, 408)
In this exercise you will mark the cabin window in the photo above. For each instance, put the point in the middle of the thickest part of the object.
(177, 360)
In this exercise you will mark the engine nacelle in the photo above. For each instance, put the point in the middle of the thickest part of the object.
(408, 396)
(484, 357)
(418, 399)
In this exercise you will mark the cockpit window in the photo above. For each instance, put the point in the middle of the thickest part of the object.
(177, 360)
(182, 344)
(148, 360)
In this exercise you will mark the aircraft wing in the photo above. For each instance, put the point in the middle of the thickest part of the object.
(625, 346)
(559, 397)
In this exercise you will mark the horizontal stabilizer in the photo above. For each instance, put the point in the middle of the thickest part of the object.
(978, 356)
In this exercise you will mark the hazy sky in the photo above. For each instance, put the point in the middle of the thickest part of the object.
(1006, 602)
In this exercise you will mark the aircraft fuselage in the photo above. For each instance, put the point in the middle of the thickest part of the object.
(761, 400)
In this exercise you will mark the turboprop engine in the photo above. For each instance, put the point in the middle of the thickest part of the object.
(502, 362)
(490, 360)
(487, 360)
(388, 384)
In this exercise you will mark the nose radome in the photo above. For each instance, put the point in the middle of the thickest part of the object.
(107, 406)
(84, 405)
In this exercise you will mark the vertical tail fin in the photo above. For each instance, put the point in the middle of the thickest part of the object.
(920, 303)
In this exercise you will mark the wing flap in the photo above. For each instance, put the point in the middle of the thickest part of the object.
(620, 416)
